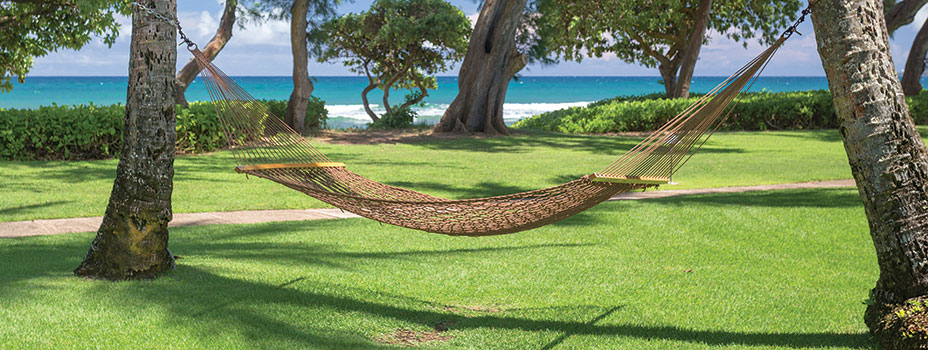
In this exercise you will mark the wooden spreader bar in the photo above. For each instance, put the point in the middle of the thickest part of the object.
(244, 168)
(647, 180)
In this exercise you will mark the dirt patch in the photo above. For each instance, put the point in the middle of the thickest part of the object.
(476, 308)
(408, 337)
(482, 308)
(373, 137)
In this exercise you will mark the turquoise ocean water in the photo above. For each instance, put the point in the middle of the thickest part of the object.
(526, 97)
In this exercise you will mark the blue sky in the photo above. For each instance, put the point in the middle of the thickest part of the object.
(264, 50)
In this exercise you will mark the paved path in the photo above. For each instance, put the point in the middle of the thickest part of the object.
(59, 226)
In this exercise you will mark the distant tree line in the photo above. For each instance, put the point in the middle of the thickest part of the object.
(403, 44)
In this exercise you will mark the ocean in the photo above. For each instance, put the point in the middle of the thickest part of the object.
(525, 97)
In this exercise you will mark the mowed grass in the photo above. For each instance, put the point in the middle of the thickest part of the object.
(452, 168)
(761, 270)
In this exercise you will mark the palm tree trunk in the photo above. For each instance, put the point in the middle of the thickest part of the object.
(132, 242)
(887, 156)
(186, 75)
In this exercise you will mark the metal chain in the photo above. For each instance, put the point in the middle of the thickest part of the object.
(172, 21)
(792, 29)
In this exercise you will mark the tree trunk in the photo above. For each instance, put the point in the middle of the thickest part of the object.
(691, 51)
(902, 13)
(491, 61)
(669, 76)
(132, 242)
(915, 65)
(888, 158)
(302, 86)
(186, 75)
(367, 104)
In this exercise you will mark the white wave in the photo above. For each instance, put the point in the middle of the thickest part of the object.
(512, 112)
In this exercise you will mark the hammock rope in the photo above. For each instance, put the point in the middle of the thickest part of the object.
(264, 146)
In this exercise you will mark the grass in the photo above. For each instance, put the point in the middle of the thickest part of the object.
(456, 168)
(762, 270)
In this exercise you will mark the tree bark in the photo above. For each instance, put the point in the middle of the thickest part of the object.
(302, 86)
(691, 51)
(902, 13)
(186, 75)
(669, 76)
(915, 64)
(491, 61)
(132, 242)
(367, 105)
(888, 158)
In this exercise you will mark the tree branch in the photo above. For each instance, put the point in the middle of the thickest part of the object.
(646, 47)
(902, 13)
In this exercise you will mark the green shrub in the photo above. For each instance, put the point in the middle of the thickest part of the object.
(395, 119)
(799, 110)
(316, 114)
(95, 132)
(61, 132)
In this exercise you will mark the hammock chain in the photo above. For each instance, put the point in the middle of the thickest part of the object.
(172, 21)
(793, 29)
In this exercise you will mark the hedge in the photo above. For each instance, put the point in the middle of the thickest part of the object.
(797, 110)
(95, 132)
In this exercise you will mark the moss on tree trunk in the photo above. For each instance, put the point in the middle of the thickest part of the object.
(132, 242)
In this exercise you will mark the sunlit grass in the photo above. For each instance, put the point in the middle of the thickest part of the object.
(453, 168)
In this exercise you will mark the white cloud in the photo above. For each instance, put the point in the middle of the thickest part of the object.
(272, 32)
(206, 22)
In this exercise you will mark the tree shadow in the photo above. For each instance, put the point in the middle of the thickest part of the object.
(817, 198)
(329, 255)
(263, 312)
(826, 135)
(26, 208)
(177, 298)
(525, 141)
(480, 190)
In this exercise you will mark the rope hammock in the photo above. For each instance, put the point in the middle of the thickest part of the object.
(264, 146)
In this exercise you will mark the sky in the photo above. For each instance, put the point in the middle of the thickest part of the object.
(263, 49)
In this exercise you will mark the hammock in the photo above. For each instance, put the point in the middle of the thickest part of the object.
(264, 146)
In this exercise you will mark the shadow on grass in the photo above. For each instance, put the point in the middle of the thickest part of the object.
(289, 253)
(27, 208)
(816, 198)
(524, 141)
(264, 314)
(480, 190)
(825, 135)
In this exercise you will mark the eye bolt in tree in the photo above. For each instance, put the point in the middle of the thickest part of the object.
(397, 44)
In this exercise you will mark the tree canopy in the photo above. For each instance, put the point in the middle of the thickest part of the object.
(397, 44)
(30, 29)
(653, 33)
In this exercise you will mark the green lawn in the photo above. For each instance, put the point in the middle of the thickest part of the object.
(762, 270)
(456, 168)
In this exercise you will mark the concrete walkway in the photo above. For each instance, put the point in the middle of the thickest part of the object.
(60, 226)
